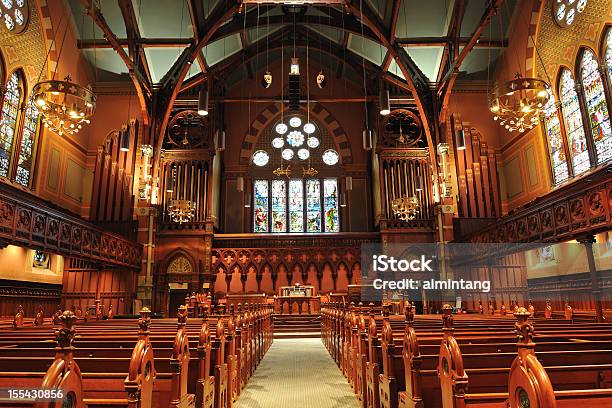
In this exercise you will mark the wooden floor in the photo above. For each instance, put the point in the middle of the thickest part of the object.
(297, 373)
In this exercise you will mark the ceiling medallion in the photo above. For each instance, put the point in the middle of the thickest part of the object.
(405, 208)
(64, 106)
(517, 104)
(181, 210)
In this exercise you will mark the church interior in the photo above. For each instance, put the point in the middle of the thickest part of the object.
(195, 194)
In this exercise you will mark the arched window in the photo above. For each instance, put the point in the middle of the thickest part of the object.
(295, 173)
(28, 139)
(574, 127)
(555, 141)
(597, 109)
(8, 121)
(608, 53)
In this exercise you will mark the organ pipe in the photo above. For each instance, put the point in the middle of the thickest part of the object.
(190, 180)
(401, 177)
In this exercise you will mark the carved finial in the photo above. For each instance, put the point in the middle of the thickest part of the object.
(447, 317)
(239, 308)
(386, 310)
(523, 328)
(144, 321)
(182, 316)
(409, 313)
(65, 334)
(231, 308)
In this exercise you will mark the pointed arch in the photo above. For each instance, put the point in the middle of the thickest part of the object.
(574, 125)
(273, 112)
(12, 102)
(557, 147)
(599, 126)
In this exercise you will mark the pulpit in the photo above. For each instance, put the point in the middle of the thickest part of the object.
(301, 295)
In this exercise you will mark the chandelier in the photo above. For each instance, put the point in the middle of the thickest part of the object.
(181, 210)
(405, 208)
(64, 106)
(518, 104)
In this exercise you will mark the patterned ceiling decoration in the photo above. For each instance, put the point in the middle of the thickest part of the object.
(26, 50)
(560, 46)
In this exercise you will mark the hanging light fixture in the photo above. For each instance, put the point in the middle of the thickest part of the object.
(321, 80)
(65, 106)
(367, 138)
(203, 101)
(385, 103)
(405, 208)
(266, 80)
(220, 140)
(517, 104)
(170, 184)
(181, 210)
(125, 139)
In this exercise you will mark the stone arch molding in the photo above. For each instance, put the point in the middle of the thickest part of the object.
(271, 113)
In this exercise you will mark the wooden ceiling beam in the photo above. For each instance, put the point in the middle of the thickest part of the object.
(445, 86)
(141, 83)
(443, 42)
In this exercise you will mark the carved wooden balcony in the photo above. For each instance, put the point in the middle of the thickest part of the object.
(31, 222)
(579, 208)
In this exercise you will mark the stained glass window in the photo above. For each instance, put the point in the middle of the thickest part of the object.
(8, 122)
(313, 206)
(260, 210)
(595, 97)
(555, 141)
(330, 199)
(28, 138)
(279, 206)
(608, 53)
(296, 206)
(574, 127)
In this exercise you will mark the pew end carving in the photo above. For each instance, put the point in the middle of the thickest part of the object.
(141, 374)
(64, 373)
(453, 379)
(528, 384)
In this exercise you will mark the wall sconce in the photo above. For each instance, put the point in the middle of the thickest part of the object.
(342, 200)
(240, 184)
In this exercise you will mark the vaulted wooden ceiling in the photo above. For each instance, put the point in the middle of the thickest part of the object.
(167, 46)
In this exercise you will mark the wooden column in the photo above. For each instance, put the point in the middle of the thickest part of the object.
(588, 242)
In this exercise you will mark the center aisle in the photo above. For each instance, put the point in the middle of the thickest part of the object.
(297, 373)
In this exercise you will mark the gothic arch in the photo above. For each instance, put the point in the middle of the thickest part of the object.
(180, 254)
(271, 113)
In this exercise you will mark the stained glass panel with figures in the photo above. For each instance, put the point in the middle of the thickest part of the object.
(595, 97)
(28, 139)
(555, 141)
(8, 122)
(574, 127)
(330, 199)
(313, 206)
(279, 206)
(296, 205)
(260, 207)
